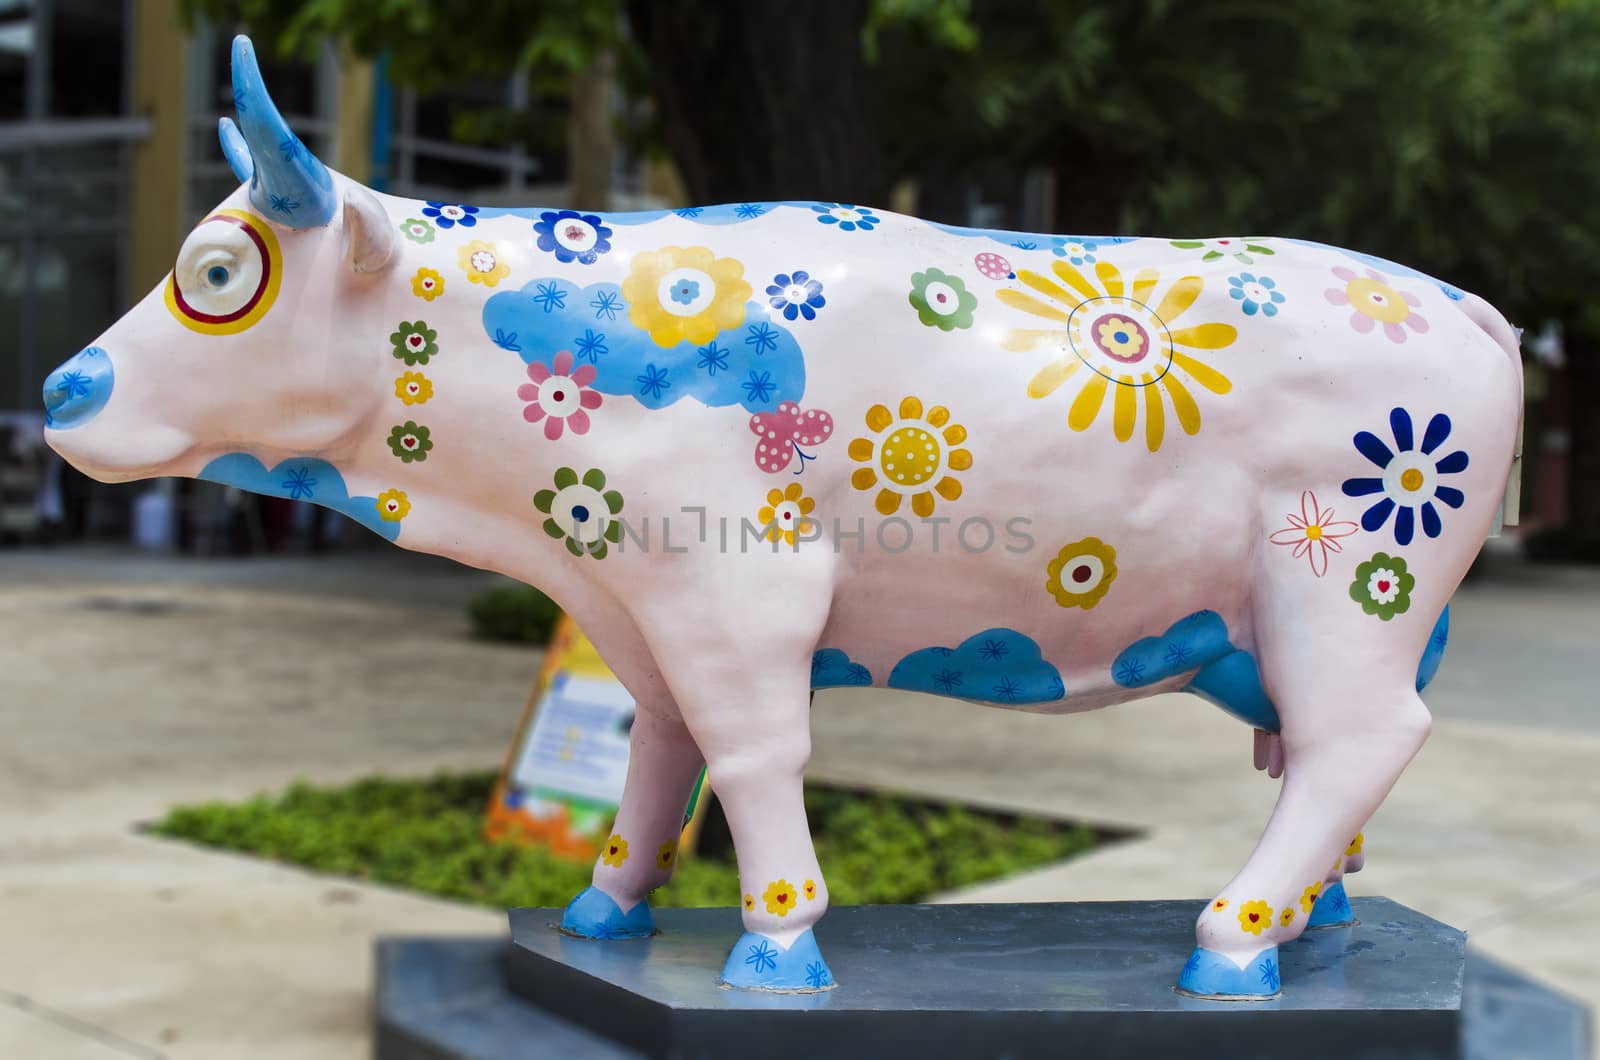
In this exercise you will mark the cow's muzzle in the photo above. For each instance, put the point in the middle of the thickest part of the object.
(75, 392)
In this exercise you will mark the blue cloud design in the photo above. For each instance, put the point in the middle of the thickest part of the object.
(300, 479)
(724, 214)
(1227, 676)
(1024, 240)
(757, 365)
(996, 666)
(832, 668)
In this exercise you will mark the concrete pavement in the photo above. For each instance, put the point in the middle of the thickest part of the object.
(129, 684)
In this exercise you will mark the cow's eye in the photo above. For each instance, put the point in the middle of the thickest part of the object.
(227, 274)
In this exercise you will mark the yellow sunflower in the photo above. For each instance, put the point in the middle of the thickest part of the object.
(482, 263)
(784, 514)
(413, 388)
(679, 293)
(1112, 340)
(1310, 896)
(1255, 916)
(1355, 846)
(1082, 573)
(780, 897)
(427, 284)
(1286, 917)
(913, 454)
(665, 855)
(615, 851)
(393, 506)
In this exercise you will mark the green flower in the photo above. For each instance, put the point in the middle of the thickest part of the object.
(1382, 586)
(1227, 247)
(580, 512)
(414, 342)
(417, 230)
(409, 442)
(942, 301)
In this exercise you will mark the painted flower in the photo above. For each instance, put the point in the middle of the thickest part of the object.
(449, 214)
(615, 852)
(666, 854)
(780, 897)
(1373, 300)
(846, 216)
(560, 395)
(414, 341)
(942, 301)
(1411, 479)
(1255, 294)
(393, 505)
(994, 266)
(1228, 247)
(1255, 916)
(427, 284)
(749, 902)
(1111, 342)
(1286, 916)
(417, 230)
(413, 388)
(1220, 904)
(572, 236)
(912, 459)
(1355, 846)
(1382, 586)
(580, 512)
(797, 294)
(1313, 533)
(1077, 251)
(1309, 896)
(809, 889)
(785, 514)
(1082, 573)
(409, 441)
(482, 264)
(679, 293)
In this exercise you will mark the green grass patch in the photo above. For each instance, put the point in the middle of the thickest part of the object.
(427, 835)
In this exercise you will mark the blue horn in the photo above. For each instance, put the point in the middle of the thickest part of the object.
(289, 184)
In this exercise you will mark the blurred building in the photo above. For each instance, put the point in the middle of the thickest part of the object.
(109, 155)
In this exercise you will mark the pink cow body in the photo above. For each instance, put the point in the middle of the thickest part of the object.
(763, 448)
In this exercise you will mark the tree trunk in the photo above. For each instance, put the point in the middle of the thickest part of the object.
(761, 106)
(1583, 426)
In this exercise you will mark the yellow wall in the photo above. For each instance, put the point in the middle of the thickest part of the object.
(160, 68)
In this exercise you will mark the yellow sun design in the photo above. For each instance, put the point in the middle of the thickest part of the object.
(1112, 340)
(910, 457)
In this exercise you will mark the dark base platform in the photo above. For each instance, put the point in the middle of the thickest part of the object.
(1092, 979)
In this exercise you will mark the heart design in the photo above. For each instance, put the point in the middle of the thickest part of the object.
(412, 388)
(783, 897)
(409, 441)
(1383, 585)
(1254, 917)
(414, 341)
(428, 284)
(780, 432)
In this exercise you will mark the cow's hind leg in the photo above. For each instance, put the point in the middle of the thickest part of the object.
(642, 850)
(1348, 732)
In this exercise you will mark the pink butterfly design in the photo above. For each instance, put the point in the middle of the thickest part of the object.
(782, 433)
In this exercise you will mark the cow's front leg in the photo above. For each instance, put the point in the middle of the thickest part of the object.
(642, 849)
(1342, 754)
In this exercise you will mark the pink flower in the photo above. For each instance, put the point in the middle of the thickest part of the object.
(559, 395)
(1373, 301)
(1313, 533)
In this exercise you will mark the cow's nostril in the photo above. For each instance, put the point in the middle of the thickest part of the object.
(78, 390)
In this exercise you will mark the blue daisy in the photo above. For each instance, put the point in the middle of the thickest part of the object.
(450, 214)
(797, 294)
(1255, 294)
(848, 216)
(1410, 483)
(572, 236)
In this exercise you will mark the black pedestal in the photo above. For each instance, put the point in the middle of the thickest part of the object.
(1087, 979)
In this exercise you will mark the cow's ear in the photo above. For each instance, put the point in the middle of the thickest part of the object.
(369, 238)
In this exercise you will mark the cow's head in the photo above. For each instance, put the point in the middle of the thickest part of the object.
(241, 347)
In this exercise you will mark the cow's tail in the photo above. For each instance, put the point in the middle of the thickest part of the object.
(1509, 339)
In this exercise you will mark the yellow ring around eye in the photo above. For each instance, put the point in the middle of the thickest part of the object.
(260, 300)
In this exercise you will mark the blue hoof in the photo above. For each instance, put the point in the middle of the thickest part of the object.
(1211, 975)
(759, 963)
(1332, 909)
(593, 915)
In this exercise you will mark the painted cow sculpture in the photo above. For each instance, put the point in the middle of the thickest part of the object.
(760, 449)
